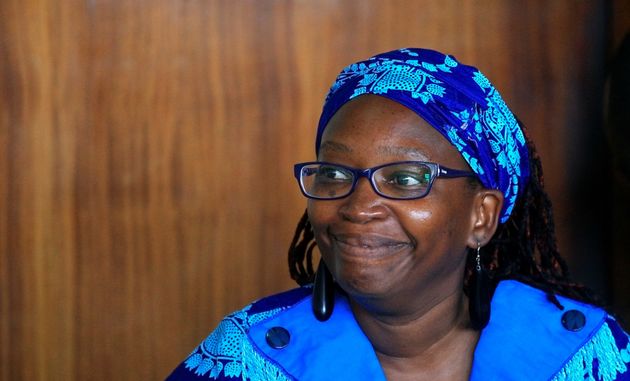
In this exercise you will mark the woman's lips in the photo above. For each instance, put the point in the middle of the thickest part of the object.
(368, 246)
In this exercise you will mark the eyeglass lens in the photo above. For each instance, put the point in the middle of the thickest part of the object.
(399, 181)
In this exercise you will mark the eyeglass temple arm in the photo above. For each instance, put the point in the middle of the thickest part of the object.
(451, 173)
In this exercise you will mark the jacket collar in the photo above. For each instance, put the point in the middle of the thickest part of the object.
(524, 339)
(333, 350)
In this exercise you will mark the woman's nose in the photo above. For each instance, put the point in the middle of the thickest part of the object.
(363, 204)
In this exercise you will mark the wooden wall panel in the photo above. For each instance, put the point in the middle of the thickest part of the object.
(146, 151)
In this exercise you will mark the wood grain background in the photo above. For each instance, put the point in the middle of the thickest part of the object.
(146, 151)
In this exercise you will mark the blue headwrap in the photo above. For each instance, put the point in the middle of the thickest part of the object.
(457, 100)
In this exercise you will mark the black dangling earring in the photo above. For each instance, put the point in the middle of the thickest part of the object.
(323, 293)
(479, 295)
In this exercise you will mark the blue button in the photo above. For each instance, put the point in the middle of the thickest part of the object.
(277, 337)
(573, 320)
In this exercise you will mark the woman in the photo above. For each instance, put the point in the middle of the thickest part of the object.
(438, 252)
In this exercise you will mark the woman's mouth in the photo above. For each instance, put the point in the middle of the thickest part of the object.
(367, 246)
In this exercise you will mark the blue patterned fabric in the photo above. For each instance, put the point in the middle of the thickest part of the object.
(220, 354)
(227, 354)
(524, 340)
(457, 100)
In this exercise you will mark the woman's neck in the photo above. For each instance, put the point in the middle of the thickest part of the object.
(437, 342)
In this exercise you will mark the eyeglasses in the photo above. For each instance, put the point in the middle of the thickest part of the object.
(405, 180)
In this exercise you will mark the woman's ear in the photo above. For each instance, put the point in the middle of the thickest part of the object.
(485, 216)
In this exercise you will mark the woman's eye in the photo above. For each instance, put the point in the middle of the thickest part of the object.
(407, 180)
(332, 173)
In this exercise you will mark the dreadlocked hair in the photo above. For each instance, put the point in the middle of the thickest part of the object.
(524, 248)
(301, 253)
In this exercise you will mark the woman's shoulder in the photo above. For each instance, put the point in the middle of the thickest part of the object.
(529, 336)
(220, 355)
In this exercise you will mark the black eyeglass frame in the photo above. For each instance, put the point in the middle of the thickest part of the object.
(436, 171)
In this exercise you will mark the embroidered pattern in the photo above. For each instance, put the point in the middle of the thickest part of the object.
(227, 350)
(504, 136)
(385, 75)
(257, 368)
(603, 351)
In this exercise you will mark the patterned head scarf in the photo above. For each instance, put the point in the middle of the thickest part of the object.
(457, 100)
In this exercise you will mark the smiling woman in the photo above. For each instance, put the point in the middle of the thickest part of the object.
(438, 255)
(392, 256)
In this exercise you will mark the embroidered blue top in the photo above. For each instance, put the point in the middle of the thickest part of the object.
(527, 338)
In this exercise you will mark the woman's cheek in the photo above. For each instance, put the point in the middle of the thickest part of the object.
(321, 213)
(419, 215)
(319, 216)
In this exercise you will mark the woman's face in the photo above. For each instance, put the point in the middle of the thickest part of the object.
(393, 250)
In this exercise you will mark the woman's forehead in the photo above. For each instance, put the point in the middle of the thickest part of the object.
(376, 115)
(384, 127)
(330, 147)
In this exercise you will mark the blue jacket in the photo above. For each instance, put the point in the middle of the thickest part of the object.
(527, 338)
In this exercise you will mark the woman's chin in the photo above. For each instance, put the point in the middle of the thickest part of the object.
(368, 284)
